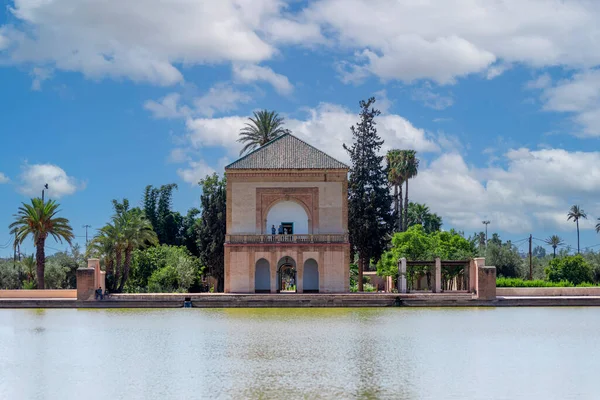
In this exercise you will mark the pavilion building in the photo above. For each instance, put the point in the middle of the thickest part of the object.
(287, 221)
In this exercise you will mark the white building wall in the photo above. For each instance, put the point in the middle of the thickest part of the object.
(288, 211)
(244, 205)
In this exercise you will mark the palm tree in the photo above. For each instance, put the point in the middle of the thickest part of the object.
(115, 242)
(417, 214)
(598, 226)
(137, 233)
(29, 266)
(409, 170)
(575, 213)
(264, 127)
(104, 246)
(394, 163)
(554, 241)
(39, 220)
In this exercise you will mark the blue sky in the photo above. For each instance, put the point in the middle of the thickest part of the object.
(500, 99)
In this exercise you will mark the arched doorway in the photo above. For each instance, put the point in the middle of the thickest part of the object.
(311, 276)
(262, 277)
(286, 275)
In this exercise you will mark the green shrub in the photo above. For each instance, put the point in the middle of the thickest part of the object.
(163, 280)
(574, 269)
(10, 275)
(518, 282)
(29, 285)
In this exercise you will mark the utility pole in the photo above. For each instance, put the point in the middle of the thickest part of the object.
(15, 250)
(45, 188)
(86, 233)
(486, 223)
(530, 260)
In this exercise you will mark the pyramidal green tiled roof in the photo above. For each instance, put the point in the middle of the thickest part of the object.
(287, 152)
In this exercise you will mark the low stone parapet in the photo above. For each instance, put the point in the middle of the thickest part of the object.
(39, 294)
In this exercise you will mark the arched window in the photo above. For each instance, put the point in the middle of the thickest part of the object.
(290, 215)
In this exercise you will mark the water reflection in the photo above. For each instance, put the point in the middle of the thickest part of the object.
(395, 353)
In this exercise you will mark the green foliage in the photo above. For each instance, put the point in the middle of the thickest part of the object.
(170, 226)
(264, 127)
(574, 269)
(576, 213)
(69, 262)
(419, 214)
(505, 257)
(518, 282)
(60, 271)
(29, 285)
(211, 230)
(114, 244)
(163, 280)
(369, 200)
(10, 275)
(39, 220)
(416, 244)
(594, 260)
(395, 160)
(158, 262)
(56, 275)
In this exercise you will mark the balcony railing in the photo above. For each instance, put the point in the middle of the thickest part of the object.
(274, 239)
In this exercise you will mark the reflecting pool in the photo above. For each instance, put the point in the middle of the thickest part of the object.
(391, 353)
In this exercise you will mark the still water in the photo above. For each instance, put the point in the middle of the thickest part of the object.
(505, 353)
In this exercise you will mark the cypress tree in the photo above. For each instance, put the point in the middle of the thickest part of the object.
(369, 199)
(212, 226)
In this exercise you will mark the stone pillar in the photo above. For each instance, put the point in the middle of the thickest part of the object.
(300, 272)
(273, 260)
(472, 276)
(85, 284)
(437, 276)
(486, 282)
(402, 287)
(94, 263)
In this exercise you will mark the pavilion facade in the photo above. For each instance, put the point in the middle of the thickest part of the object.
(287, 221)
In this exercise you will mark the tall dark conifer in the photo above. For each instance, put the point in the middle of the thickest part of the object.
(211, 229)
(369, 199)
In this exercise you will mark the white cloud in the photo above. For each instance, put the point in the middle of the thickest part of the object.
(196, 171)
(431, 99)
(178, 155)
(442, 41)
(3, 178)
(579, 95)
(167, 107)
(35, 176)
(249, 73)
(220, 98)
(39, 75)
(497, 70)
(4, 42)
(294, 32)
(405, 40)
(535, 190)
(541, 82)
(215, 132)
(141, 41)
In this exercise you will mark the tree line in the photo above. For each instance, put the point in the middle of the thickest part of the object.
(153, 246)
